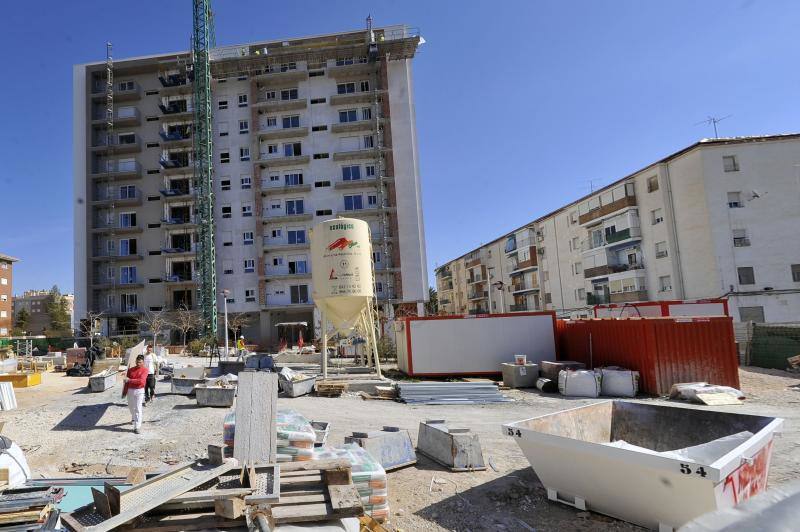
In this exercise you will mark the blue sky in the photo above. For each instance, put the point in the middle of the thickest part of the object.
(520, 105)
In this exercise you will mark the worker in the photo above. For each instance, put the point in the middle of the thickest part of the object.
(135, 380)
(151, 363)
(240, 347)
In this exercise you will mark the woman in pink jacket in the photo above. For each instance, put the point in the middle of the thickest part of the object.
(135, 381)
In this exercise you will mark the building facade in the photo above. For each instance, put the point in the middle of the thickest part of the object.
(716, 219)
(6, 291)
(304, 130)
(35, 302)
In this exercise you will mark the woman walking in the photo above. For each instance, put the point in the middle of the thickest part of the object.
(135, 381)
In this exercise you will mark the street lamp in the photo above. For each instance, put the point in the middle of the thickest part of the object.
(225, 307)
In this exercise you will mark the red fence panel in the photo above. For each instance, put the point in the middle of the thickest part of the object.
(663, 350)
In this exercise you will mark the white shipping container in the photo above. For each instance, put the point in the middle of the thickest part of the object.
(466, 345)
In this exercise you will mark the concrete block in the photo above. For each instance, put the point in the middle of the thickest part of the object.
(520, 376)
(455, 448)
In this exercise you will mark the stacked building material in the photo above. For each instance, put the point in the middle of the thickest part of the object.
(30, 508)
(447, 393)
(369, 477)
(295, 436)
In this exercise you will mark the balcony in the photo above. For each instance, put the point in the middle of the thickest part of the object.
(385, 268)
(176, 139)
(126, 145)
(280, 76)
(177, 194)
(275, 133)
(386, 295)
(359, 68)
(596, 299)
(275, 218)
(475, 279)
(351, 127)
(271, 244)
(131, 117)
(113, 196)
(603, 210)
(107, 283)
(176, 110)
(175, 166)
(102, 227)
(115, 170)
(276, 272)
(444, 273)
(130, 92)
(286, 189)
(628, 297)
(180, 251)
(105, 256)
(179, 280)
(524, 287)
(524, 265)
(276, 105)
(473, 262)
(358, 155)
(364, 213)
(608, 269)
(175, 84)
(477, 311)
(179, 222)
(284, 302)
(356, 97)
(521, 307)
(620, 237)
(477, 294)
(341, 184)
(277, 161)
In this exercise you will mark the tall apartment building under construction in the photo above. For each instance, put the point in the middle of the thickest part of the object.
(304, 130)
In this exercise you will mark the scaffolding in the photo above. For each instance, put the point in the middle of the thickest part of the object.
(202, 42)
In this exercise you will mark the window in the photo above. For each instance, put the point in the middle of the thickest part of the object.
(276, 233)
(573, 217)
(580, 294)
(576, 243)
(317, 100)
(127, 219)
(272, 121)
(652, 184)
(127, 138)
(293, 179)
(249, 295)
(289, 94)
(740, 239)
(730, 163)
(664, 283)
(244, 154)
(320, 184)
(127, 275)
(324, 212)
(230, 300)
(316, 73)
(796, 273)
(227, 238)
(128, 303)
(296, 236)
(369, 141)
(3, 281)
(734, 200)
(321, 156)
(243, 100)
(222, 104)
(277, 261)
(577, 268)
(223, 129)
(246, 182)
(366, 113)
(661, 250)
(292, 149)
(244, 127)
(298, 265)
(345, 88)
(376, 256)
(294, 206)
(249, 265)
(320, 128)
(364, 86)
(755, 314)
(746, 275)
(351, 173)
(657, 216)
(224, 157)
(247, 238)
(548, 298)
(247, 210)
(379, 287)
(353, 202)
(127, 246)
(348, 115)
(225, 184)
(291, 121)
(298, 293)
(127, 192)
(288, 66)
(272, 149)
(372, 200)
(125, 85)
(269, 95)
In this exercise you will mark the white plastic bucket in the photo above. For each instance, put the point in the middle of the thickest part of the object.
(520, 360)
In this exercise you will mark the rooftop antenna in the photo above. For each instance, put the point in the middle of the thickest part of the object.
(713, 120)
(592, 184)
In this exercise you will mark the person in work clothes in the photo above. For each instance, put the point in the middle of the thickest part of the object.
(240, 348)
(135, 380)
(151, 363)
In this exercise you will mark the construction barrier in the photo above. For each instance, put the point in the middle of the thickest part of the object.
(663, 350)
(771, 345)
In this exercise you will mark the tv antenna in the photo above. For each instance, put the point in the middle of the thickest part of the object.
(713, 121)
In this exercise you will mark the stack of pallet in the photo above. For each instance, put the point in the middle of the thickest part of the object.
(30, 508)
(448, 393)
(330, 388)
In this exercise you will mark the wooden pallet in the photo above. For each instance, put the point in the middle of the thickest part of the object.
(330, 388)
(316, 491)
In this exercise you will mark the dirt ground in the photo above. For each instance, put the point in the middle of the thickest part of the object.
(66, 430)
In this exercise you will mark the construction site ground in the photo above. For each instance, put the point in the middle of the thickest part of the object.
(66, 430)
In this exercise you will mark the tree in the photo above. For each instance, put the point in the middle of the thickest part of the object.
(432, 306)
(154, 321)
(91, 326)
(186, 320)
(236, 322)
(58, 312)
(23, 318)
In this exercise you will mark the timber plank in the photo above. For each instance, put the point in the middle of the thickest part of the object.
(256, 403)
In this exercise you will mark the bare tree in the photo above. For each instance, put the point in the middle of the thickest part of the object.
(236, 322)
(91, 325)
(186, 320)
(154, 321)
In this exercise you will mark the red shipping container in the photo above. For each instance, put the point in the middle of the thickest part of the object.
(663, 350)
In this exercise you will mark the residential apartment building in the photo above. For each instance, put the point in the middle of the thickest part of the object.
(716, 219)
(6, 299)
(35, 302)
(304, 130)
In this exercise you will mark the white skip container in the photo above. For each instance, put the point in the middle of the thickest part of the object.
(653, 465)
